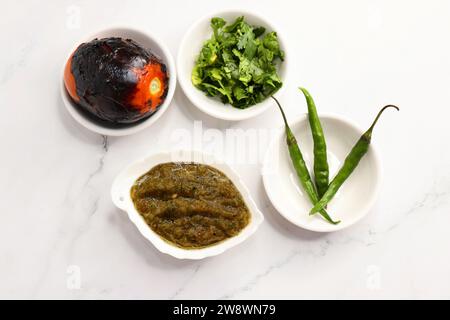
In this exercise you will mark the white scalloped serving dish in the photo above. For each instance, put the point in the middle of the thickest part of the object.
(121, 197)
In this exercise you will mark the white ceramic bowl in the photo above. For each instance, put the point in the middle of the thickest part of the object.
(147, 41)
(187, 55)
(353, 200)
(121, 197)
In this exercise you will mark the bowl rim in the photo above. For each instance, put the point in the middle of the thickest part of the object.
(120, 194)
(92, 125)
(188, 88)
(326, 227)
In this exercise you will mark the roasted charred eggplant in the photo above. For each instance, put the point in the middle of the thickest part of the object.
(116, 80)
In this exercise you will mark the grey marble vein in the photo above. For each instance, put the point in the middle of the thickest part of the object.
(254, 281)
(185, 283)
(8, 70)
(101, 161)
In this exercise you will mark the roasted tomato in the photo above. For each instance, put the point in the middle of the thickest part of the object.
(116, 80)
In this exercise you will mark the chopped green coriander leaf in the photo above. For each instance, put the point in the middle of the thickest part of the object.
(238, 64)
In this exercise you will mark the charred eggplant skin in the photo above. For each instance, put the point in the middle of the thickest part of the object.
(116, 80)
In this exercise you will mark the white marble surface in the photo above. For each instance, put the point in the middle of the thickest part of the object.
(56, 216)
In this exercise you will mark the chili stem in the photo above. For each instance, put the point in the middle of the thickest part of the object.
(351, 162)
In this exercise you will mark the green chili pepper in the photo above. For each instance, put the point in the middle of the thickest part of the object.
(320, 147)
(300, 166)
(350, 163)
